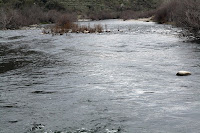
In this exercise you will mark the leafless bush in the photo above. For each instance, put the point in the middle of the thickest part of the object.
(13, 19)
(129, 14)
(52, 16)
(188, 16)
(33, 15)
(65, 21)
(183, 13)
(165, 11)
(104, 15)
(7, 17)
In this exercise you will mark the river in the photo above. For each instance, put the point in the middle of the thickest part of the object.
(123, 81)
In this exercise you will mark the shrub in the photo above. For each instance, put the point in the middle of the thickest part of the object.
(10, 18)
(165, 12)
(188, 14)
(190, 18)
(65, 20)
(136, 14)
(13, 18)
(52, 16)
(101, 15)
(33, 15)
(54, 5)
(183, 13)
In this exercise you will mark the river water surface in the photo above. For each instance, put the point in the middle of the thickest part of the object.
(123, 81)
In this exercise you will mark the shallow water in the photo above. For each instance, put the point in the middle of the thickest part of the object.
(123, 81)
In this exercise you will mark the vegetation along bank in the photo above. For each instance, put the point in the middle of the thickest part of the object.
(18, 13)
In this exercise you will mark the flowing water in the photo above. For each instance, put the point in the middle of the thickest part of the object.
(123, 81)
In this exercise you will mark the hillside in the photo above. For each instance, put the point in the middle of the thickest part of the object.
(110, 5)
(85, 5)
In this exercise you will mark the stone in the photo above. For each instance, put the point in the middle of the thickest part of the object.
(183, 73)
(86, 31)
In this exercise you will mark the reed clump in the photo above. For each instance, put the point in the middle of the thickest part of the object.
(74, 28)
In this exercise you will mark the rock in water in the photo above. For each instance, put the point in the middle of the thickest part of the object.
(183, 73)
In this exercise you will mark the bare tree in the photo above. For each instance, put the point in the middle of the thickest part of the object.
(6, 17)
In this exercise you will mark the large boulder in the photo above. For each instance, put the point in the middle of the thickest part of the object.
(183, 73)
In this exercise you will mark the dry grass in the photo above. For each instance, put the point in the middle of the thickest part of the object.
(73, 28)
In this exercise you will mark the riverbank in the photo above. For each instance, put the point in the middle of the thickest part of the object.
(184, 14)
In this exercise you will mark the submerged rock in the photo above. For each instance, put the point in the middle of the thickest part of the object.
(183, 73)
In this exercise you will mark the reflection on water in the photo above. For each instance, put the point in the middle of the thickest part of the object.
(15, 37)
(17, 55)
(121, 81)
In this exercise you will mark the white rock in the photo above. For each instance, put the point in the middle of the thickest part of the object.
(183, 73)
(86, 31)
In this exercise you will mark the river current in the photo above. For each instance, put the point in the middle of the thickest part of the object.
(123, 81)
